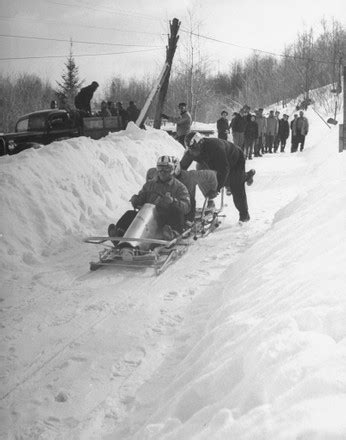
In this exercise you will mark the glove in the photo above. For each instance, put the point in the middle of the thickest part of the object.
(212, 194)
(134, 201)
(166, 200)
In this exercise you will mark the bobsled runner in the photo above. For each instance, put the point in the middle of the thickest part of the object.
(143, 244)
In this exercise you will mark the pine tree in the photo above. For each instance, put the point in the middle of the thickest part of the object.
(70, 84)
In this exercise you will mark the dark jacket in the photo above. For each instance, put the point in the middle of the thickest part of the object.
(83, 98)
(133, 112)
(222, 125)
(238, 123)
(284, 129)
(154, 189)
(215, 154)
(251, 130)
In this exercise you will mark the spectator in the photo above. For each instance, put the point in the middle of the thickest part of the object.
(250, 136)
(238, 128)
(132, 111)
(83, 98)
(53, 104)
(276, 136)
(272, 129)
(104, 112)
(294, 145)
(284, 131)
(262, 128)
(300, 128)
(222, 126)
(183, 122)
(227, 160)
(123, 114)
(111, 107)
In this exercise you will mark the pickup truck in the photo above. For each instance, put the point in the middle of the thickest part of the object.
(43, 127)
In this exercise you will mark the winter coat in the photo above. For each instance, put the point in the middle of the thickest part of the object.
(284, 129)
(301, 122)
(83, 98)
(272, 126)
(154, 189)
(215, 154)
(251, 131)
(133, 112)
(262, 125)
(183, 122)
(238, 123)
(222, 126)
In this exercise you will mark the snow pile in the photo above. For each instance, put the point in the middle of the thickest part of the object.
(69, 188)
(244, 337)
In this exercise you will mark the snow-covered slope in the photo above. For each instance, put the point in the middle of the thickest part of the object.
(243, 338)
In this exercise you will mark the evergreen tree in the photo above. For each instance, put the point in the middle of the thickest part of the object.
(70, 84)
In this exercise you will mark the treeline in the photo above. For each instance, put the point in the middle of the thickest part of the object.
(259, 81)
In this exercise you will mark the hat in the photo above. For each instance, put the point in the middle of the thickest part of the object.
(224, 111)
(192, 139)
(95, 84)
(182, 104)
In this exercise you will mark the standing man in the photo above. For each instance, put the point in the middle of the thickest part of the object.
(238, 128)
(184, 122)
(294, 145)
(276, 137)
(262, 128)
(132, 111)
(300, 127)
(250, 136)
(284, 131)
(229, 163)
(272, 129)
(222, 126)
(83, 98)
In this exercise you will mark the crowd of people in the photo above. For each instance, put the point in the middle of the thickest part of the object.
(82, 102)
(257, 134)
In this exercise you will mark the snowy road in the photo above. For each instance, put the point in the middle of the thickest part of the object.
(79, 344)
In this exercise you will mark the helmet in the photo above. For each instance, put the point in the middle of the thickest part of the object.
(166, 162)
(176, 163)
(192, 138)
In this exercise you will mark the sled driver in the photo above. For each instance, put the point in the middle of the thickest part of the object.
(170, 197)
(205, 179)
(229, 163)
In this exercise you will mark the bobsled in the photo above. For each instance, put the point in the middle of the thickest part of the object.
(143, 244)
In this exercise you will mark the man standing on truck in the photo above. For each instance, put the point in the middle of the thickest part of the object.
(83, 98)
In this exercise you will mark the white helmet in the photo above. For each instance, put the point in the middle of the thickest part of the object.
(166, 162)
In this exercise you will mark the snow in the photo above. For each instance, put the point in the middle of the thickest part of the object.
(244, 337)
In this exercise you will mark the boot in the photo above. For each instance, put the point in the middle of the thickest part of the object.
(249, 177)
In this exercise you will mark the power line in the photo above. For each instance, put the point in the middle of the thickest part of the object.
(26, 37)
(129, 31)
(255, 49)
(79, 55)
(115, 11)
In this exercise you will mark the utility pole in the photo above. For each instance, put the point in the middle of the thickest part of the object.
(342, 127)
(170, 51)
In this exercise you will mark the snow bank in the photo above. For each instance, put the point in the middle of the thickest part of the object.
(269, 362)
(68, 188)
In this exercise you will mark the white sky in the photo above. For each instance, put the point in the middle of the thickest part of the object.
(266, 25)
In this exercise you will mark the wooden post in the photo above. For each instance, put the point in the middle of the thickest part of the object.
(170, 51)
(342, 127)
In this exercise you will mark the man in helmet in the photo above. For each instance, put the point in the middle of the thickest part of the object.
(205, 179)
(170, 197)
(229, 163)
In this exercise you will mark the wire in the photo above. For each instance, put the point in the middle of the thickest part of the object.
(80, 55)
(258, 50)
(116, 11)
(74, 41)
(80, 25)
